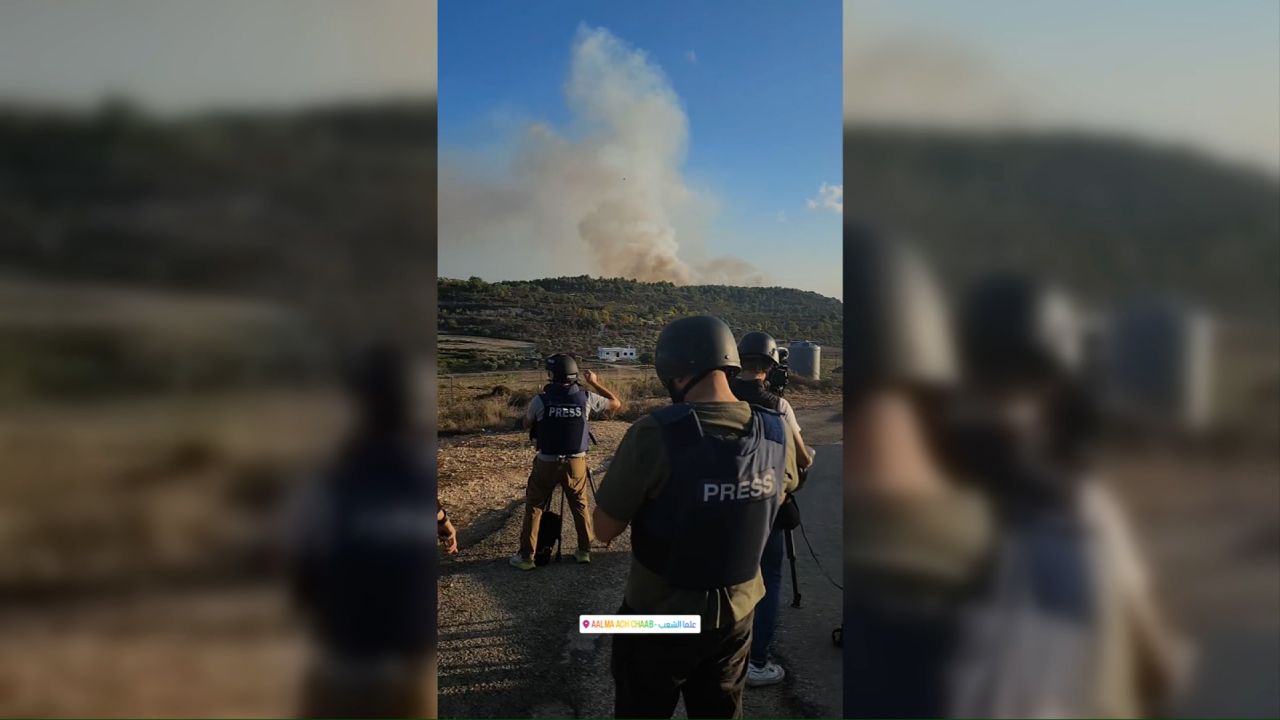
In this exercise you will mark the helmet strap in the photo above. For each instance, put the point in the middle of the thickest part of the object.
(670, 385)
(677, 396)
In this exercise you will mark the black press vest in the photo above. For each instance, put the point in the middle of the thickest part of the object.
(563, 429)
(708, 527)
(373, 577)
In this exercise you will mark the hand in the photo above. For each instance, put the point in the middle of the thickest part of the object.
(590, 376)
(448, 536)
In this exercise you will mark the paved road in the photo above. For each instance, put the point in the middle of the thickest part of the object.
(813, 687)
(509, 644)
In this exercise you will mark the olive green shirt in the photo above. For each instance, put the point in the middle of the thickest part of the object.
(639, 471)
(928, 546)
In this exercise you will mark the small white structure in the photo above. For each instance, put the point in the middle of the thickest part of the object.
(614, 354)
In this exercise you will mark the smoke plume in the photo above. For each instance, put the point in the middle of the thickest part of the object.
(605, 195)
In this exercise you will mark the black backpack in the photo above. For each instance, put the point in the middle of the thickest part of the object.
(549, 532)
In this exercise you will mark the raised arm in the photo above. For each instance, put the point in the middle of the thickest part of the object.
(593, 382)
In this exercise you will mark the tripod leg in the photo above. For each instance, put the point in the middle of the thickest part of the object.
(560, 540)
(791, 557)
(594, 493)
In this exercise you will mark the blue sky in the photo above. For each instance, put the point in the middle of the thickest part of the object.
(181, 57)
(760, 83)
(1187, 72)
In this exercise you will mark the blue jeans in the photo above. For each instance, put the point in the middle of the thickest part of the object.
(766, 620)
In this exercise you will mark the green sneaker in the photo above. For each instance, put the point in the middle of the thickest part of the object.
(582, 556)
(519, 562)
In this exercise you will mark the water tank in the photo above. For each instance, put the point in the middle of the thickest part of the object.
(1159, 366)
(805, 359)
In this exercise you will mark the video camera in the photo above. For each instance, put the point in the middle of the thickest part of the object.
(778, 376)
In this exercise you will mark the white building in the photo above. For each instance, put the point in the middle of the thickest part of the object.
(614, 354)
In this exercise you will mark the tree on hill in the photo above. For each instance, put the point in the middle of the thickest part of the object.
(582, 313)
(1103, 215)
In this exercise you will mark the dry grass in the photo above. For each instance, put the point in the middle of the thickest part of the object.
(74, 341)
(107, 510)
(496, 402)
(184, 654)
(125, 491)
(479, 414)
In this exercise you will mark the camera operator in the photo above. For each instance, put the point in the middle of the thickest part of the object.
(776, 379)
(760, 382)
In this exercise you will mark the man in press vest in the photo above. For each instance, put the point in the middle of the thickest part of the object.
(758, 352)
(700, 483)
(561, 414)
(364, 557)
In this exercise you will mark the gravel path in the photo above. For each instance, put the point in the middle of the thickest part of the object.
(509, 644)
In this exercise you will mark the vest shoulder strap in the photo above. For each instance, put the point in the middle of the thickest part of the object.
(552, 391)
(679, 424)
(546, 394)
(772, 424)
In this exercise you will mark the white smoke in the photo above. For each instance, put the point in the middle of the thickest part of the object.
(606, 195)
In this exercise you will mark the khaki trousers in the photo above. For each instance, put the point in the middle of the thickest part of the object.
(571, 475)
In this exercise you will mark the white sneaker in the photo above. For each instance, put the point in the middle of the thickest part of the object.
(770, 674)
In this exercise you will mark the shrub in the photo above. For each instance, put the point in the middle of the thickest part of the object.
(479, 415)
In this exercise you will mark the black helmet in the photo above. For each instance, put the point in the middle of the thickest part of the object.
(896, 327)
(759, 344)
(562, 368)
(693, 347)
(1015, 329)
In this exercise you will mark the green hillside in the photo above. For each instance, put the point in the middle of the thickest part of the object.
(1107, 216)
(324, 215)
(325, 210)
(140, 252)
(578, 314)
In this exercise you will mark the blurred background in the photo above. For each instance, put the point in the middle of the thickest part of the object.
(204, 208)
(1130, 153)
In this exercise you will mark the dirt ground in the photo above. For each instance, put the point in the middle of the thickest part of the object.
(509, 645)
(232, 648)
(1210, 526)
(127, 530)
(1211, 529)
(229, 652)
